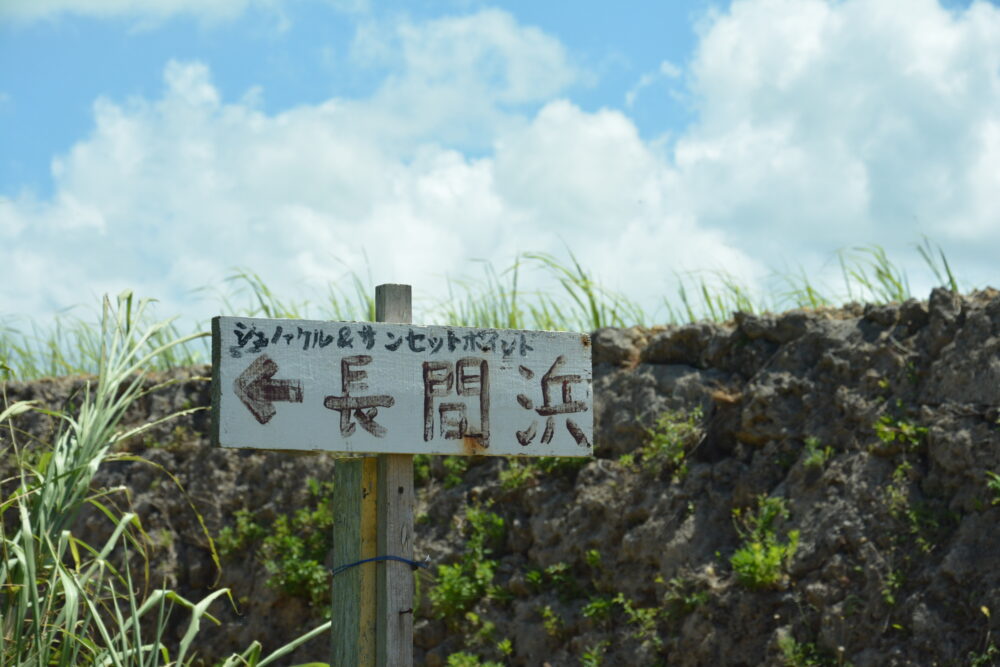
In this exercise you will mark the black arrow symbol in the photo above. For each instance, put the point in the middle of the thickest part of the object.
(259, 391)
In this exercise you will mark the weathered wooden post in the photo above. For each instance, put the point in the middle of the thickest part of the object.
(393, 303)
(393, 389)
(364, 526)
(353, 589)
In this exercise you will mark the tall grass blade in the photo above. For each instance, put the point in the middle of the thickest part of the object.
(942, 273)
(61, 608)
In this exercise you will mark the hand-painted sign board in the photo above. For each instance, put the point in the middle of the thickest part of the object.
(364, 387)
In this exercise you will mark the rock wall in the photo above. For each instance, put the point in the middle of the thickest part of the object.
(858, 438)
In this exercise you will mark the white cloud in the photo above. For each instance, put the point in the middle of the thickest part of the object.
(456, 80)
(840, 123)
(168, 195)
(487, 51)
(670, 70)
(666, 70)
(819, 125)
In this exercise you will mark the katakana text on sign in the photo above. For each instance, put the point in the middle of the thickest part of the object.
(398, 388)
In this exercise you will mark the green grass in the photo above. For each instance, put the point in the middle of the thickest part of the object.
(570, 299)
(66, 602)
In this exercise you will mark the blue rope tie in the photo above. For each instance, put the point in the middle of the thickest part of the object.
(412, 563)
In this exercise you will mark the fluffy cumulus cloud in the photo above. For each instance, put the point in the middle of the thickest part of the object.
(819, 125)
(836, 123)
(168, 195)
(456, 81)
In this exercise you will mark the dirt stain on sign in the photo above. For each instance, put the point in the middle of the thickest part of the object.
(473, 446)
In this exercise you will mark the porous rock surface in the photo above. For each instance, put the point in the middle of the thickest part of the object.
(899, 534)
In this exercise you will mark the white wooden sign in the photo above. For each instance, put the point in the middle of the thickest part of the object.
(365, 387)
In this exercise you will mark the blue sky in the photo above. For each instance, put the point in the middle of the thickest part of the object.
(298, 54)
(159, 144)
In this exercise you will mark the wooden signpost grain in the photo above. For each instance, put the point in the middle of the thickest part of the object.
(393, 390)
(353, 593)
(394, 594)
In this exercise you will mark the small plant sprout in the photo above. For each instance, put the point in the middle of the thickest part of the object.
(455, 467)
(460, 585)
(463, 659)
(599, 609)
(683, 595)
(761, 561)
(990, 653)
(814, 455)
(643, 618)
(890, 429)
(671, 439)
(993, 484)
(552, 621)
(796, 654)
(594, 655)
